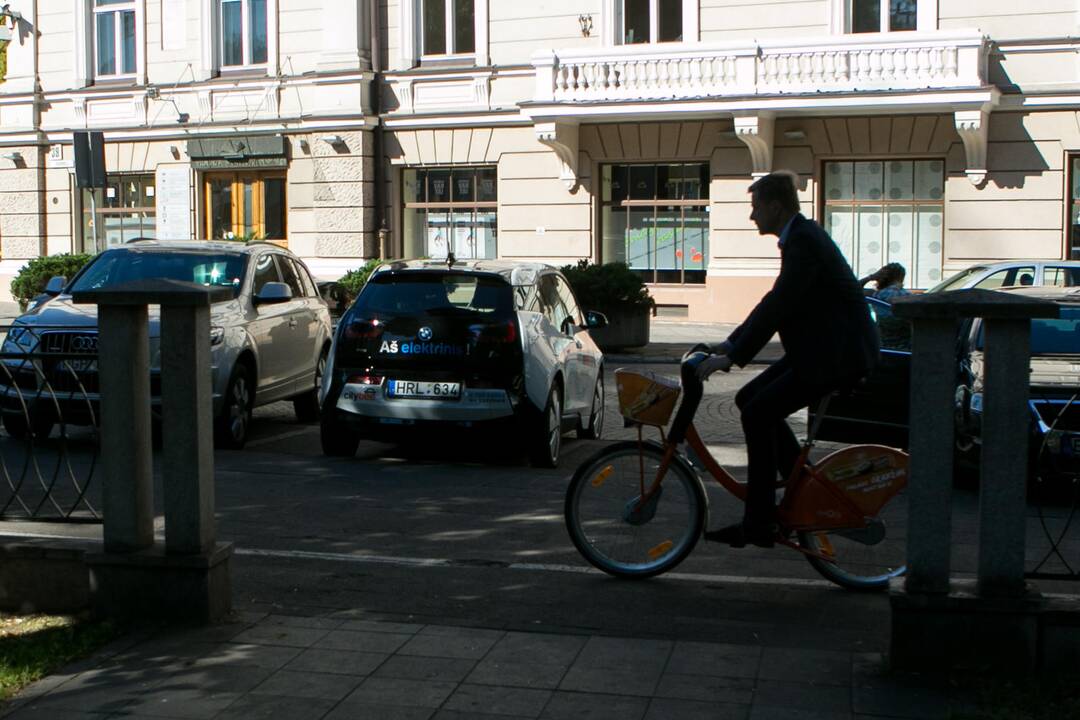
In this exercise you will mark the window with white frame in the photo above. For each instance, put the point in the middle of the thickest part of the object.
(883, 211)
(448, 27)
(871, 16)
(651, 21)
(242, 32)
(114, 38)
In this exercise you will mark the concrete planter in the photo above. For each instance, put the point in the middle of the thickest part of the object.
(626, 328)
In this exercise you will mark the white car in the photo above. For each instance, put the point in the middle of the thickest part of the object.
(464, 343)
(1014, 273)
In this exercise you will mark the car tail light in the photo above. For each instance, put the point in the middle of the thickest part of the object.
(504, 332)
(364, 329)
(364, 380)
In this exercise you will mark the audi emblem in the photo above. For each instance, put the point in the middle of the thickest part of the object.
(84, 343)
(424, 334)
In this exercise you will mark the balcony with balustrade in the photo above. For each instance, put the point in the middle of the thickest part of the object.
(757, 81)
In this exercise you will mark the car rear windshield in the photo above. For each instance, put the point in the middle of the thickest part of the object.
(1060, 336)
(117, 266)
(433, 293)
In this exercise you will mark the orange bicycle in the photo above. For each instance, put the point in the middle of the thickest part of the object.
(637, 509)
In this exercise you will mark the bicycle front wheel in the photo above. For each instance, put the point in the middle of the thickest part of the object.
(618, 533)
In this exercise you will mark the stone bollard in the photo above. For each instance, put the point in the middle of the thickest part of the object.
(187, 579)
(938, 621)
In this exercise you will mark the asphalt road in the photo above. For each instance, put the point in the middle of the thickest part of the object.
(462, 531)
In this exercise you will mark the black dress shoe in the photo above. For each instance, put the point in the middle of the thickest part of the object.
(740, 534)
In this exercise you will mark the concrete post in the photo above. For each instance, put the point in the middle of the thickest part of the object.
(933, 345)
(188, 467)
(124, 377)
(940, 622)
(1004, 458)
(188, 579)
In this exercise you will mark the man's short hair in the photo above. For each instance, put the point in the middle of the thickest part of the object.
(780, 186)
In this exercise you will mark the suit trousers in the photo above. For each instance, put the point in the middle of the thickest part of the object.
(764, 404)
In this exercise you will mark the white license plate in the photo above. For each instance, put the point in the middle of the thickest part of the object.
(77, 365)
(423, 389)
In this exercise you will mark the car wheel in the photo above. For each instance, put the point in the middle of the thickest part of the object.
(596, 417)
(546, 438)
(337, 440)
(235, 419)
(38, 427)
(306, 406)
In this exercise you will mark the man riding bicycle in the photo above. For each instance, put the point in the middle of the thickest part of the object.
(830, 343)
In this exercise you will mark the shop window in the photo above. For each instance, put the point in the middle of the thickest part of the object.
(125, 209)
(245, 206)
(887, 211)
(242, 28)
(448, 27)
(655, 218)
(450, 210)
(1074, 208)
(114, 38)
(645, 21)
(871, 16)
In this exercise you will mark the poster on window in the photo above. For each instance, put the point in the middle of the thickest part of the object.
(172, 201)
(437, 241)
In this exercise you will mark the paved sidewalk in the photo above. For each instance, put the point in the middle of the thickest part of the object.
(803, 650)
(668, 340)
(343, 666)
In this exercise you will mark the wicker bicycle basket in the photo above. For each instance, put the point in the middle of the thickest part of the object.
(646, 397)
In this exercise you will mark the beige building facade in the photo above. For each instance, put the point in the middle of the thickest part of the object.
(220, 118)
(935, 133)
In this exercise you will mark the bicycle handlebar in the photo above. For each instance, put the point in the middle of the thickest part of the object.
(693, 390)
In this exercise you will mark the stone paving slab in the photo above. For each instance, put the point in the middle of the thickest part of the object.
(429, 671)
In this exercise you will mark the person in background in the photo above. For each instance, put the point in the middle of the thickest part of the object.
(889, 280)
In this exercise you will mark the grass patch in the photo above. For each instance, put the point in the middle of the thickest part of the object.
(32, 646)
(1043, 699)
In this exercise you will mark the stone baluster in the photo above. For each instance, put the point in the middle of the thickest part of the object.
(951, 62)
(875, 66)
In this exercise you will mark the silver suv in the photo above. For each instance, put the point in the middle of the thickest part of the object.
(269, 342)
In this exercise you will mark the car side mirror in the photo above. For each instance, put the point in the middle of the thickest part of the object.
(273, 292)
(595, 320)
(55, 285)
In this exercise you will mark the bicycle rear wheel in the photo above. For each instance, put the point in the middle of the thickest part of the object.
(618, 534)
(864, 559)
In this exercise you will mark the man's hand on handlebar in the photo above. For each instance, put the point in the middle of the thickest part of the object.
(711, 364)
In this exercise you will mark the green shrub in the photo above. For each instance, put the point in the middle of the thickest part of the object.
(353, 281)
(607, 287)
(34, 275)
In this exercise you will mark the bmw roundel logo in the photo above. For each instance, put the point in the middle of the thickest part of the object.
(424, 334)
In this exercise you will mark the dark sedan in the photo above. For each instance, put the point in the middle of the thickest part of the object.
(877, 411)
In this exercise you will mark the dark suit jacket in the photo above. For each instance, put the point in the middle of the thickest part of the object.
(818, 308)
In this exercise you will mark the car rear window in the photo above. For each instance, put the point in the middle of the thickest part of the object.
(434, 294)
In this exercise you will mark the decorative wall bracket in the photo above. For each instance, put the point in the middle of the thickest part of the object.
(756, 132)
(973, 127)
(562, 137)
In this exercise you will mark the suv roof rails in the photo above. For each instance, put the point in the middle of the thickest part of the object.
(139, 239)
(263, 242)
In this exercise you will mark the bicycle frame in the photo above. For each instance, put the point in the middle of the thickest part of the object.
(813, 502)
